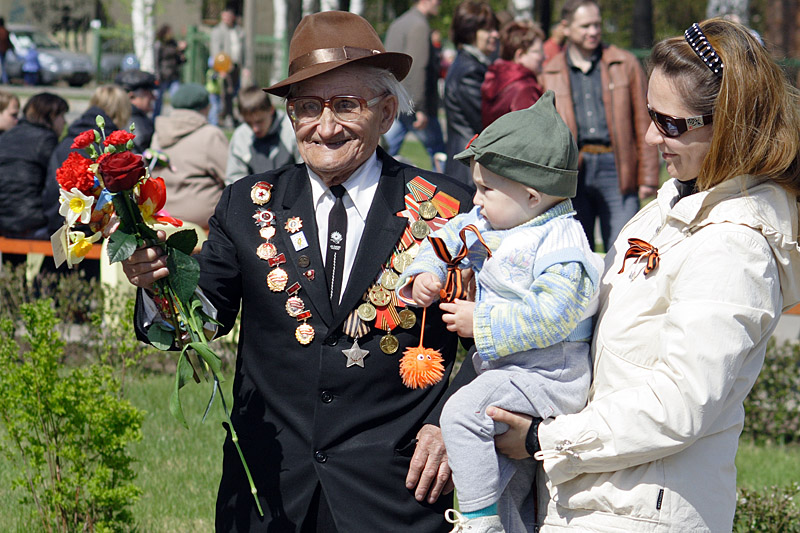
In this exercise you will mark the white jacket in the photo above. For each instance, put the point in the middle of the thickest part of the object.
(675, 353)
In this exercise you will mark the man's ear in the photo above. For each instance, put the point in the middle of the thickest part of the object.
(534, 197)
(388, 110)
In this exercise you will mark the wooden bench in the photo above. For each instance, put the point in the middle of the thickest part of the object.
(26, 246)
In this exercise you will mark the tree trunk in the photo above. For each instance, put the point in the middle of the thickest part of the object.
(281, 20)
(143, 33)
(642, 23)
(736, 9)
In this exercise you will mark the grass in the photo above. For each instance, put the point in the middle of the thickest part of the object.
(766, 465)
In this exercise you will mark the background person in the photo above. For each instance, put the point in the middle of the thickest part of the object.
(410, 33)
(474, 32)
(197, 152)
(264, 141)
(9, 110)
(511, 82)
(5, 46)
(141, 87)
(684, 326)
(333, 438)
(169, 58)
(228, 37)
(618, 168)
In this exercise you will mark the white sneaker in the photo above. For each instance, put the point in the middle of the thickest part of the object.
(483, 524)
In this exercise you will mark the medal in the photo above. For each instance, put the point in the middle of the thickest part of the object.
(309, 274)
(263, 217)
(261, 193)
(402, 261)
(420, 230)
(304, 333)
(355, 355)
(389, 280)
(266, 251)
(267, 232)
(295, 306)
(366, 312)
(407, 319)
(293, 224)
(379, 296)
(277, 279)
(427, 210)
(389, 344)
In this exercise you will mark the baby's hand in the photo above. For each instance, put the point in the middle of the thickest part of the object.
(426, 289)
(458, 316)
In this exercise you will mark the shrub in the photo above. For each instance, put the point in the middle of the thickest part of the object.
(771, 510)
(68, 429)
(773, 406)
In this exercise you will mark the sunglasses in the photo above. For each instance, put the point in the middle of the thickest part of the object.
(675, 126)
(305, 109)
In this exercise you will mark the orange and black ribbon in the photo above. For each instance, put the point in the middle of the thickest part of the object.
(454, 287)
(639, 248)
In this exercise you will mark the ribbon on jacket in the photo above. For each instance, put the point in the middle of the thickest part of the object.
(454, 287)
(639, 248)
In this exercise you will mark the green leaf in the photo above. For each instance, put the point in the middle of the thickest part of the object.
(120, 246)
(182, 376)
(184, 274)
(184, 240)
(160, 337)
(208, 355)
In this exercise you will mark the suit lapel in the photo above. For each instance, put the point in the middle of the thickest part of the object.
(381, 232)
(297, 202)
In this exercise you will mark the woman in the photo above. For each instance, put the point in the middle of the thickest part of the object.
(511, 83)
(169, 58)
(474, 32)
(686, 312)
(24, 152)
(9, 111)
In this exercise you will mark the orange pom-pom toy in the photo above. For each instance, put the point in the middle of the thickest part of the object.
(421, 367)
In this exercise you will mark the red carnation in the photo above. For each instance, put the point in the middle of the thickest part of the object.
(75, 173)
(121, 170)
(83, 139)
(118, 137)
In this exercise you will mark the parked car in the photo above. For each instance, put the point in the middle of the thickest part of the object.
(56, 64)
(116, 56)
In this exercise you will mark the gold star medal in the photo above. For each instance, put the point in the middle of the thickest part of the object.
(379, 296)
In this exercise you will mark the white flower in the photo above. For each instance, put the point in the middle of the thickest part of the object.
(75, 206)
(78, 246)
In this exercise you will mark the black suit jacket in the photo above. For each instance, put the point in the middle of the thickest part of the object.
(303, 418)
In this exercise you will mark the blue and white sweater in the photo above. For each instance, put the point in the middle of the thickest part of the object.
(538, 288)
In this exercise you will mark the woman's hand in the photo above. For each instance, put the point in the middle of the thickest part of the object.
(512, 442)
(146, 265)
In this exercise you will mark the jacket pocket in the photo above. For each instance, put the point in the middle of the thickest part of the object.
(637, 492)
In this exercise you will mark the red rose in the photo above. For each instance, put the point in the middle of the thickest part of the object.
(118, 137)
(83, 139)
(121, 171)
(74, 173)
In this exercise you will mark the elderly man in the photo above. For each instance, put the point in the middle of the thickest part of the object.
(311, 253)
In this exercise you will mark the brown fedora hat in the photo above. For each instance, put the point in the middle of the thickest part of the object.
(331, 39)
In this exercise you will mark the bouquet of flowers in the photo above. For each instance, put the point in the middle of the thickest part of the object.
(111, 194)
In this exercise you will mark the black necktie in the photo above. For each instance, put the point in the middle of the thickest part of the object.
(337, 234)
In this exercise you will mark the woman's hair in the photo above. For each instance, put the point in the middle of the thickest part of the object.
(5, 99)
(469, 17)
(115, 102)
(43, 108)
(377, 80)
(518, 35)
(164, 31)
(756, 118)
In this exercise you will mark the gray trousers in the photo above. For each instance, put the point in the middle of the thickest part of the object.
(544, 383)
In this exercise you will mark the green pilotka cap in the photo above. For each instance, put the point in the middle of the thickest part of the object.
(532, 146)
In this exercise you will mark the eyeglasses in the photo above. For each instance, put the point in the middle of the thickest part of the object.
(305, 109)
(675, 126)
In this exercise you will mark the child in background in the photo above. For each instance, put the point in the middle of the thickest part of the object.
(536, 280)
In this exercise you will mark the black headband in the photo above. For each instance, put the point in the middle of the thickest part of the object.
(699, 43)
